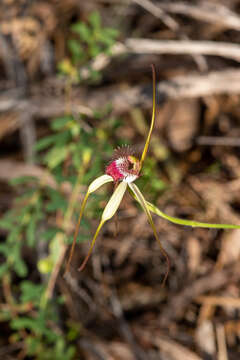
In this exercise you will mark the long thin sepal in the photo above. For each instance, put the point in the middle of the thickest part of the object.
(153, 117)
(91, 247)
(108, 213)
(191, 223)
(114, 202)
(144, 205)
(95, 184)
(76, 232)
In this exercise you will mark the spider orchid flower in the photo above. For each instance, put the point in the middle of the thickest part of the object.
(123, 170)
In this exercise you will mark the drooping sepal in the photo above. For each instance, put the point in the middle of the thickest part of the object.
(191, 223)
(140, 198)
(95, 184)
(108, 213)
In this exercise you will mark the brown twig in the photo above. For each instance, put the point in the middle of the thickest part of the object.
(57, 267)
(219, 301)
(218, 141)
(124, 328)
(183, 47)
(211, 282)
(191, 85)
(156, 11)
(210, 12)
(221, 341)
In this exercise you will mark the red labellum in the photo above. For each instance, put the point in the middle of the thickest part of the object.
(124, 166)
(113, 171)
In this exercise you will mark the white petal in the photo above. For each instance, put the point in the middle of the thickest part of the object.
(114, 201)
(101, 180)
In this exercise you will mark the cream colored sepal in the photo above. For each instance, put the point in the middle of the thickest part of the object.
(101, 180)
(114, 201)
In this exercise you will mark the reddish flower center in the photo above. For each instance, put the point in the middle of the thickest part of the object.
(124, 167)
(113, 170)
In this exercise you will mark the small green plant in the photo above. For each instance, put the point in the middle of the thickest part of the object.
(41, 220)
(90, 40)
(42, 217)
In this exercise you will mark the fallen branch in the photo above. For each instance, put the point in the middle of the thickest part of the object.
(183, 47)
(210, 282)
(13, 169)
(156, 11)
(122, 100)
(174, 47)
(185, 86)
(217, 14)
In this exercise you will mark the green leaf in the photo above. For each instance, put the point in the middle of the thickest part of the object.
(191, 223)
(25, 323)
(111, 33)
(3, 269)
(158, 185)
(76, 49)
(95, 50)
(34, 345)
(75, 129)
(4, 249)
(82, 30)
(14, 236)
(95, 20)
(57, 201)
(57, 139)
(27, 195)
(22, 180)
(20, 267)
(6, 222)
(76, 159)
(50, 233)
(31, 292)
(106, 38)
(44, 142)
(56, 156)
(60, 122)
(31, 231)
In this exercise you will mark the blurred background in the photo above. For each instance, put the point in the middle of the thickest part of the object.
(76, 82)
